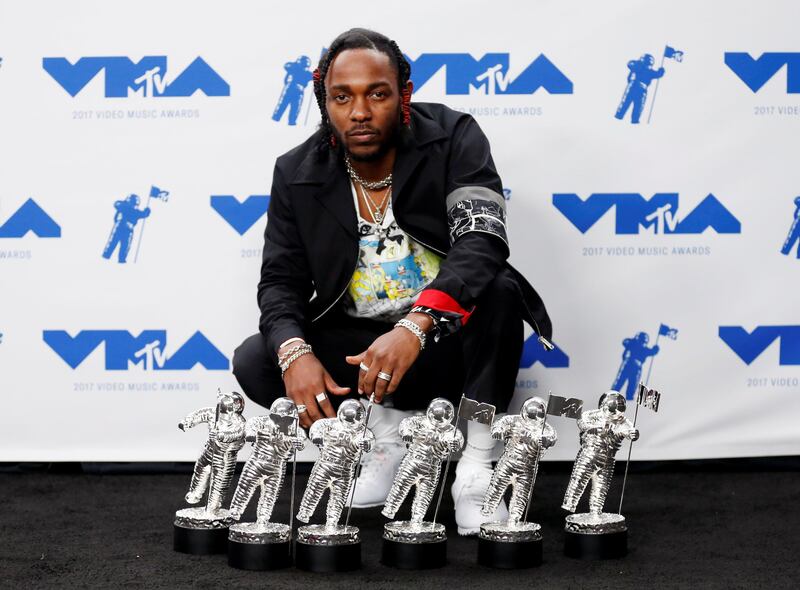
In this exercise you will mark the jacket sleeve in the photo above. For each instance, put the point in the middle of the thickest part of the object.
(285, 286)
(476, 217)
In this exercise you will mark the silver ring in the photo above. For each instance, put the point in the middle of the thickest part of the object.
(363, 367)
(321, 397)
(384, 376)
(301, 408)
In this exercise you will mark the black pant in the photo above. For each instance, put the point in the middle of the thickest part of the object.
(481, 360)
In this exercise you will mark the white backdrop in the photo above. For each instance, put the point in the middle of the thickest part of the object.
(72, 321)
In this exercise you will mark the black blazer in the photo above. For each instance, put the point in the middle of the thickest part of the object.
(446, 194)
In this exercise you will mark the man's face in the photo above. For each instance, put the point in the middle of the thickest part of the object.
(363, 102)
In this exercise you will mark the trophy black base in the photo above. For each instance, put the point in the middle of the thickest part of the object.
(509, 555)
(596, 536)
(602, 546)
(327, 558)
(199, 541)
(259, 557)
(414, 556)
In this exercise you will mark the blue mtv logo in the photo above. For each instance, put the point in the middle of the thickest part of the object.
(757, 72)
(633, 211)
(240, 215)
(533, 352)
(488, 75)
(749, 345)
(30, 217)
(124, 77)
(148, 350)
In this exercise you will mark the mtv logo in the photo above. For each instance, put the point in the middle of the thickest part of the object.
(488, 75)
(147, 77)
(757, 72)
(147, 350)
(633, 211)
(749, 345)
(30, 217)
(533, 352)
(241, 216)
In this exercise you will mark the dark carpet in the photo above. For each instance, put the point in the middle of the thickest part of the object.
(689, 527)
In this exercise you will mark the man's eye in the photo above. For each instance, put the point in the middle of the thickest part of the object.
(340, 98)
(379, 94)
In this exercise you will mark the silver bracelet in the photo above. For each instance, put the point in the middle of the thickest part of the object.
(300, 351)
(414, 329)
(282, 357)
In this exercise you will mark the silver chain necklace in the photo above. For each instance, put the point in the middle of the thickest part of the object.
(373, 186)
(375, 209)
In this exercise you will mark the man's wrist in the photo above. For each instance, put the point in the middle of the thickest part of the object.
(423, 320)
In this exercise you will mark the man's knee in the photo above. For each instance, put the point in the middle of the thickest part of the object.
(249, 356)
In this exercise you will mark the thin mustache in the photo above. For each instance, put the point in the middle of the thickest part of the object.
(362, 129)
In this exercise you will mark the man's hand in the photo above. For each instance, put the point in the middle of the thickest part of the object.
(304, 380)
(393, 354)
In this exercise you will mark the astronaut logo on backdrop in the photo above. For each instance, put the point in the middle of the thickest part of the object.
(30, 218)
(641, 74)
(295, 85)
(240, 215)
(147, 77)
(127, 217)
(792, 241)
(147, 351)
(635, 354)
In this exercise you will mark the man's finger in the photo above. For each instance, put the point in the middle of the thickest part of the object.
(325, 404)
(312, 407)
(369, 378)
(381, 385)
(397, 376)
(362, 374)
(356, 359)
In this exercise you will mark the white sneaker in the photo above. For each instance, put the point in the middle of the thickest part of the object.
(378, 469)
(468, 490)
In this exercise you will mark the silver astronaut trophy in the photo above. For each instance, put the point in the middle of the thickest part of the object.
(415, 543)
(204, 529)
(597, 534)
(515, 543)
(341, 441)
(276, 438)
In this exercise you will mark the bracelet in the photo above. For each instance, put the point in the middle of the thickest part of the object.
(290, 340)
(299, 351)
(282, 357)
(414, 329)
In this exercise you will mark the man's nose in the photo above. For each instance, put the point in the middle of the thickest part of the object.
(360, 110)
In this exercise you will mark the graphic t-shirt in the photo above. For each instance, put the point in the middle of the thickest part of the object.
(392, 270)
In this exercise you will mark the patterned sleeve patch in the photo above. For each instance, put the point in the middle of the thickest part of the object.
(479, 215)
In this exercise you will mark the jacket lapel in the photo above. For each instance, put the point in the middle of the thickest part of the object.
(329, 185)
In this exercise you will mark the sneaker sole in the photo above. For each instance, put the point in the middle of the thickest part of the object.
(467, 532)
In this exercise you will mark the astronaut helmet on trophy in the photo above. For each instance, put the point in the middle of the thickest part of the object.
(283, 407)
(230, 403)
(440, 413)
(351, 413)
(533, 409)
(613, 402)
(648, 59)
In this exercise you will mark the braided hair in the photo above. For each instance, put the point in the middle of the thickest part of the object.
(361, 39)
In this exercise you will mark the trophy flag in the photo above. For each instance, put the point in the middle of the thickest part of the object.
(476, 411)
(569, 407)
(648, 398)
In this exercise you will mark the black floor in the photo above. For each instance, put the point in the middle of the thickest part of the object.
(688, 528)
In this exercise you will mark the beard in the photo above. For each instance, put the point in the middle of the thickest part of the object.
(389, 140)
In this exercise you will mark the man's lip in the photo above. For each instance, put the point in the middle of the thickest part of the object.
(360, 132)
